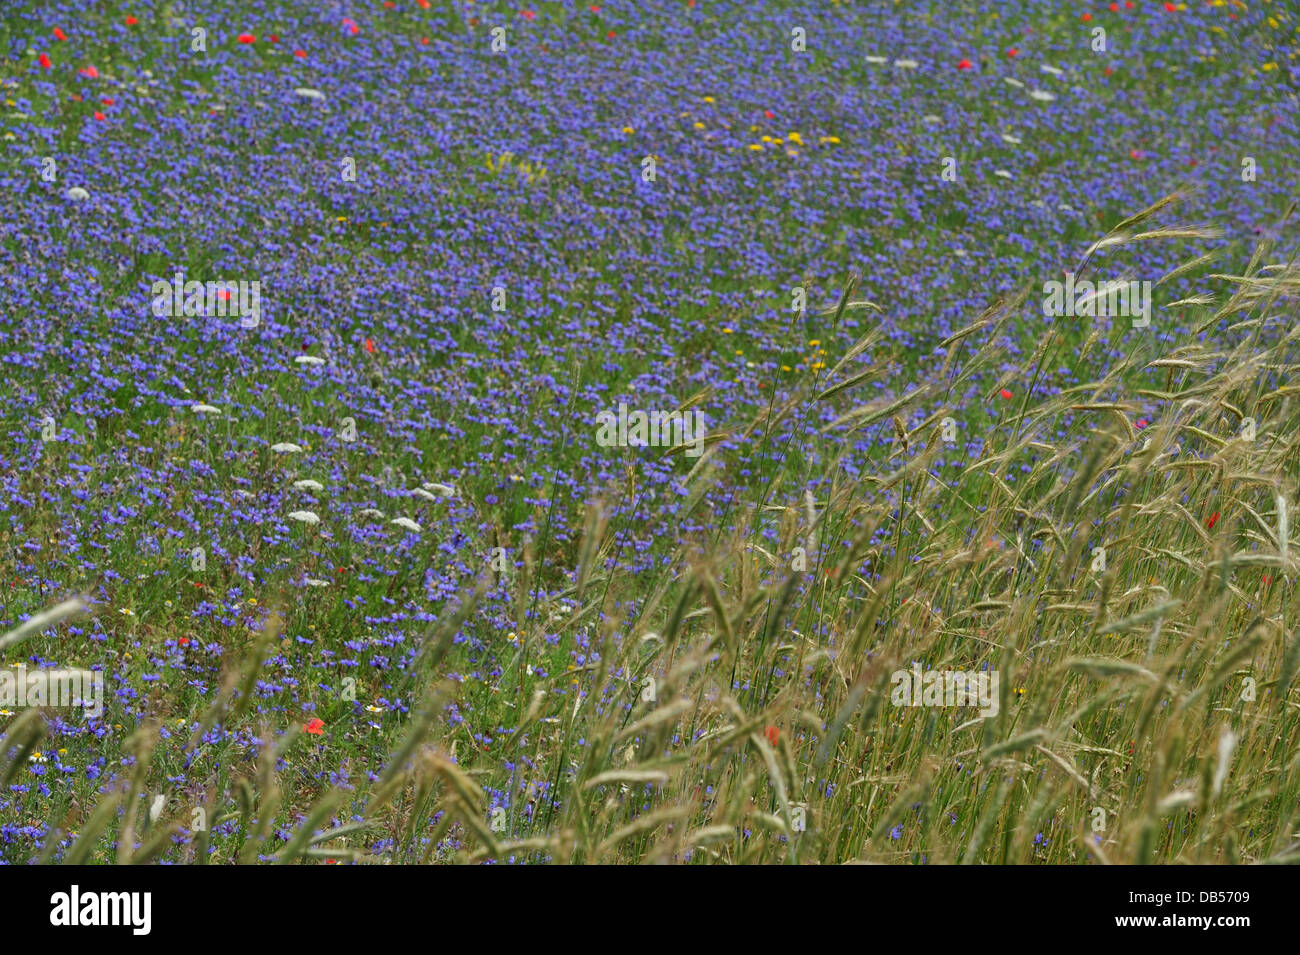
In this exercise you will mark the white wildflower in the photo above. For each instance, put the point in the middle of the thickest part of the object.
(308, 485)
(205, 409)
(406, 522)
(307, 517)
(285, 447)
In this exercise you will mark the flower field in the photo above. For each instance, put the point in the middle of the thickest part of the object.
(436, 431)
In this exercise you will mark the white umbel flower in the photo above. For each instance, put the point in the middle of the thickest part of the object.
(285, 447)
(308, 93)
(77, 194)
(406, 522)
(371, 512)
(442, 490)
(313, 582)
(205, 409)
(308, 485)
(1042, 96)
(309, 360)
(307, 517)
(906, 64)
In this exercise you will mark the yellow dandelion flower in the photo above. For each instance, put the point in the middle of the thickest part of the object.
(628, 129)
(794, 138)
(833, 140)
(699, 125)
(708, 99)
(726, 330)
(756, 147)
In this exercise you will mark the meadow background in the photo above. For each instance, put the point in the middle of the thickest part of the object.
(671, 659)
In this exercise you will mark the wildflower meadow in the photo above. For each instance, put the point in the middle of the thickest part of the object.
(681, 431)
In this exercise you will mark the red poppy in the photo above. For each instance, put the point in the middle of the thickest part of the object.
(773, 734)
(184, 641)
(1107, 71)
(1171, 8)
(1086, 17)
(528, 14)
(58, 34)
(1012, 52)
(246, 38)
(1142, 423)
(610, 35)
(424, 40)
(594, 9)
(1214, 519)
(90, 71)
(99, 115)
(273, 38)
(131, 21)
(1005, 394)
(964, 65)
(44, 61)
(1114, 8)
(1128, 4)
(423, 3)
(1135, 154)
(370, 346)
(300, 53)
(315, 726)
(768, 113)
